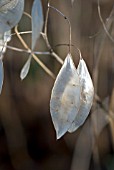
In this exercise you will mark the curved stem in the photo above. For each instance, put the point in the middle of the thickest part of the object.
(28, 15)
(46, 20)
(79, 53)
(76, 48)
(68, 21)
(45, 28)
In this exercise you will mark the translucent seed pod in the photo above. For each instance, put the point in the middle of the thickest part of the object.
(87, 94)
(65, 97)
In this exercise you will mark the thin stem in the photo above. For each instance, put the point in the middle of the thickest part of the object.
(23, 32)
(44, 35)
(46, 20)
(63, 45)
(17, 49)
(14, 48)
(41, 53)
(28, 15)
(21, 39)
(59, 12)
(27, 51)
(76, 48)
(34, 56)
(45, 28)
(79, 53)
(57, 57)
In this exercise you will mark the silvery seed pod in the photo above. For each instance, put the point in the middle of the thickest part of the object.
(87, 93)
(65, 97)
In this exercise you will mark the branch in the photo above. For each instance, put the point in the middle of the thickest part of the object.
(34, 56)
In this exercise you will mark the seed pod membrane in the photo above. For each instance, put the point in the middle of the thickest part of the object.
(65, 97)
(87, 94)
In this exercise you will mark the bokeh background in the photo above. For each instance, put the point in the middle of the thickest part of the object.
(27, 135)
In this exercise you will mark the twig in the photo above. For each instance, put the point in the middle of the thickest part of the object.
(28, 15)
(104, 26)
(44, 35)
(27, 51)
(17, 49)
(23, 32)
(63, 45)
(76, 48)
(45, 29)
(34, 56)
(46, 20)
(59, 12)
(57, 57)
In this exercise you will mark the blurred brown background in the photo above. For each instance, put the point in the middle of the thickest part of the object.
(27, 135)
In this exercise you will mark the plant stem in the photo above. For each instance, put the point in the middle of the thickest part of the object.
(59, 12)
(34, 56)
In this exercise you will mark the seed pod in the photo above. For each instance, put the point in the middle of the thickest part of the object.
(87, 94)
(10, 14)
(65, 97)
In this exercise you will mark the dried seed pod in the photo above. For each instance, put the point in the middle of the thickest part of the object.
(4, 38)
(10, 14)
(65, 97)
(37, 26)
(25, 68)
(37, 21)
(87, 94)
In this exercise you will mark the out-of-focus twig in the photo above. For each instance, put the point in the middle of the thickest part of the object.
(104, 26)
(99, 43)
